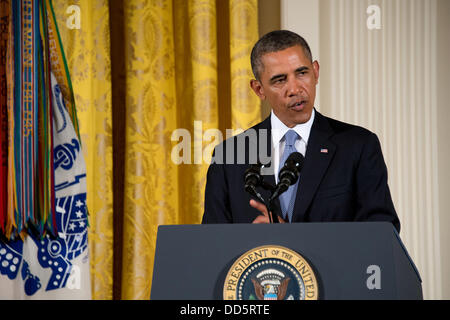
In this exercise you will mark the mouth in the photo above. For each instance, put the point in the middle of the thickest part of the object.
(298, 105)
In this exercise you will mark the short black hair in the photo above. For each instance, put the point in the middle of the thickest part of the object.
(275, 41)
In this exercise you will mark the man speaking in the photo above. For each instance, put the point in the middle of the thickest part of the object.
(343, 176)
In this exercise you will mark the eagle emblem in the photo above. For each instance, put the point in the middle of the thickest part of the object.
(270, 284)
(270, 272)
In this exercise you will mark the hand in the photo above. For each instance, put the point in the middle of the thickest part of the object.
(264, 218)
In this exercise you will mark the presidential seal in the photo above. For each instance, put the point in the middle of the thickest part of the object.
(270, 273)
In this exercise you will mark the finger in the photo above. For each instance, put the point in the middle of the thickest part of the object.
(259, 206)
(261, 219)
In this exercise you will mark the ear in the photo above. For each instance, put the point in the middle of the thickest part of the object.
(258, 88)
(316, 68)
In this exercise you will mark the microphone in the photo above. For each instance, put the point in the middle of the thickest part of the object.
(288, 174)
(252, 179)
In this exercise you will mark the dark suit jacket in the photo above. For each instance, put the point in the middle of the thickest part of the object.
(348, 182)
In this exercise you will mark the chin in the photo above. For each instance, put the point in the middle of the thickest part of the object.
(302, 116)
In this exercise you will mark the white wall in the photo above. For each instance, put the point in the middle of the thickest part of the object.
(443, 115)
(389, 81)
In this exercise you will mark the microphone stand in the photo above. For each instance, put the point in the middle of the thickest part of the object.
(271, 213)
(269, 205)
(288, 176)
(251, 188)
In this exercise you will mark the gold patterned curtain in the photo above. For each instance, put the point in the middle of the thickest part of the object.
(141, 71)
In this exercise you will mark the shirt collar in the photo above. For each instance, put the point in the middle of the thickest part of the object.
(279, 129)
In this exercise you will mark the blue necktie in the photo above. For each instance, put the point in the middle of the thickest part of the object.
(287, 199)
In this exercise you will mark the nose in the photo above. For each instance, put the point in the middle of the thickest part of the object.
(294, 87)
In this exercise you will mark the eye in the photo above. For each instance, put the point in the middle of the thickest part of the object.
(301, 71)
(279, 81)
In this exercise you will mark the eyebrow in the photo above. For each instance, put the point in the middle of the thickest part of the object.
(280, 76)
(301, 69)
(277, 76)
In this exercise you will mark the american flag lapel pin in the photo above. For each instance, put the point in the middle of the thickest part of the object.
(323, 150)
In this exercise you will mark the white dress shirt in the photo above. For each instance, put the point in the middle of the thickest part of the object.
(279, 129)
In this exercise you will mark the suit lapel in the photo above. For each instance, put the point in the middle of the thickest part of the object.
(319, 153)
